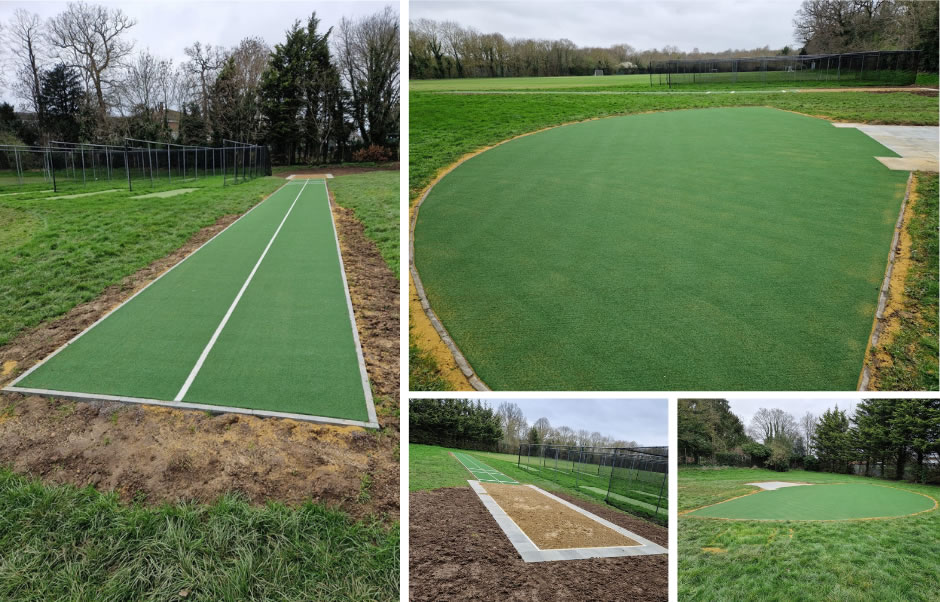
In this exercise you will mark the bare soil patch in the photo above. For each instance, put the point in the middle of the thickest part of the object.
(338, 170)
(550, 525)
(458, 552)
(158, 455)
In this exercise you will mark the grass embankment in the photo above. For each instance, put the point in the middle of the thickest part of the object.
(67, 251)
(432, 467)
(373, 197)
(910, 350)
(63, 543)
(781, 560)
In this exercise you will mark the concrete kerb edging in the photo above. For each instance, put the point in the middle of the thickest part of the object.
(529, 552)
(879, 322)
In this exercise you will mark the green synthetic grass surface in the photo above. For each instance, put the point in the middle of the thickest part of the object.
(62, 543)
(287, 347)
(855, 561)
(721, 249)
(821, 502)
(481, 471)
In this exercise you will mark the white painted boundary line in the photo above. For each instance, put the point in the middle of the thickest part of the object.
(231, 309)
(532, 553)
(363, 374)
(12, 387)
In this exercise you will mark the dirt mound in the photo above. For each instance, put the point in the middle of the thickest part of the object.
(458, 552)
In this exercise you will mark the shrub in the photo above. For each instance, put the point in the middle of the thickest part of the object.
(811, 463)
(373, 153)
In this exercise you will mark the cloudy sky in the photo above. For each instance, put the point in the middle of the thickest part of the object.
(746, 408)
(709, 26)
(645, 421)
(166, 27)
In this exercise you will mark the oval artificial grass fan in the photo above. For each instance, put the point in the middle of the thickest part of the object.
(838, 501)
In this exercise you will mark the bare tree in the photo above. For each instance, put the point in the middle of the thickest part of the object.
(141, 86)
(26, 43)
(514, 422)
(203, 65)
(368, 56)
(808, 429)
(543, 427)
(772, 424)
(90, 37)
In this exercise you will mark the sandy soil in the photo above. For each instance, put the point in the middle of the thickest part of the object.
(458, 552)
(550, 525)
(155, 454)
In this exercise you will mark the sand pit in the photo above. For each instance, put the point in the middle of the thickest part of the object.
(550, 525)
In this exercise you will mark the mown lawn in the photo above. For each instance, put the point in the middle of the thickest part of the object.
(432, 467)
(785, 560)
(63, 543)
(373, 196)
(56, 253)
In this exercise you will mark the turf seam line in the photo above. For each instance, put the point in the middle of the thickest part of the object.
(218, 331)
(878, 323)
(12, 385)
(363, 373)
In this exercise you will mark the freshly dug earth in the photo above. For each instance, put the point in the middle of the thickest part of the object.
(550, 525)
(154, 455)
(458, 552)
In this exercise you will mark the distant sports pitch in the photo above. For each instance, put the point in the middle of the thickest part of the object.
(257, 320)
(713, 249)
(838, 501)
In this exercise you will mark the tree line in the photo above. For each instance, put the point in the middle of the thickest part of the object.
(516, 429)
(318, 96)
(895, 438)
(460, 423)
(440, 50)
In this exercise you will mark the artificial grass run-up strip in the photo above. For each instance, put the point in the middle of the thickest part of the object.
(821, 502)
(287, 347)
(715, 249)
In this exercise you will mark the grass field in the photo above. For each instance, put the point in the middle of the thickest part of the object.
(62, 543)
(787, 560)
(432, 467)
(66, 252)
(373, 196)
(610, 245)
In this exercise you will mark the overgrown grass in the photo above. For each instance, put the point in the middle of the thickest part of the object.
(373, 196)
(62, 543)
(67, 251)
(424, 374)
(784, 560)
(446, 126)
(928, 79)
(432, 467)
(914, 349)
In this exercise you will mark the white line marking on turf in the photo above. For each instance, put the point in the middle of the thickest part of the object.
(363, 374)
(12, 385)
(231, 309)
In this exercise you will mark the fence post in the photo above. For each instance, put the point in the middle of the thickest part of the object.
(16, 158)
(169, 164)
(82, 151)
(150, 162)
(127, 168)
(52, 169)
(660, 500)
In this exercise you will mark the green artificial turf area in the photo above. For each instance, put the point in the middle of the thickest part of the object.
(374, 198)
(761, 560)
(721, 249)
(433, 467)
(287, 346)
(62, 543)
(821, 502)
(56, 254)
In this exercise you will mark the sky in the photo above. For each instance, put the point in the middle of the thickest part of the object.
(645, 421)
(712, 25)
(746, 408)
(166, 27)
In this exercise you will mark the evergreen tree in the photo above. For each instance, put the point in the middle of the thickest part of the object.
(832, 441)
(61, 97)
(533, 437)
(193, 129)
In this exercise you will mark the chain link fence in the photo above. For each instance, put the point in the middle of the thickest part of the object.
(86, 167)
(632, 479)
(885, 68)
